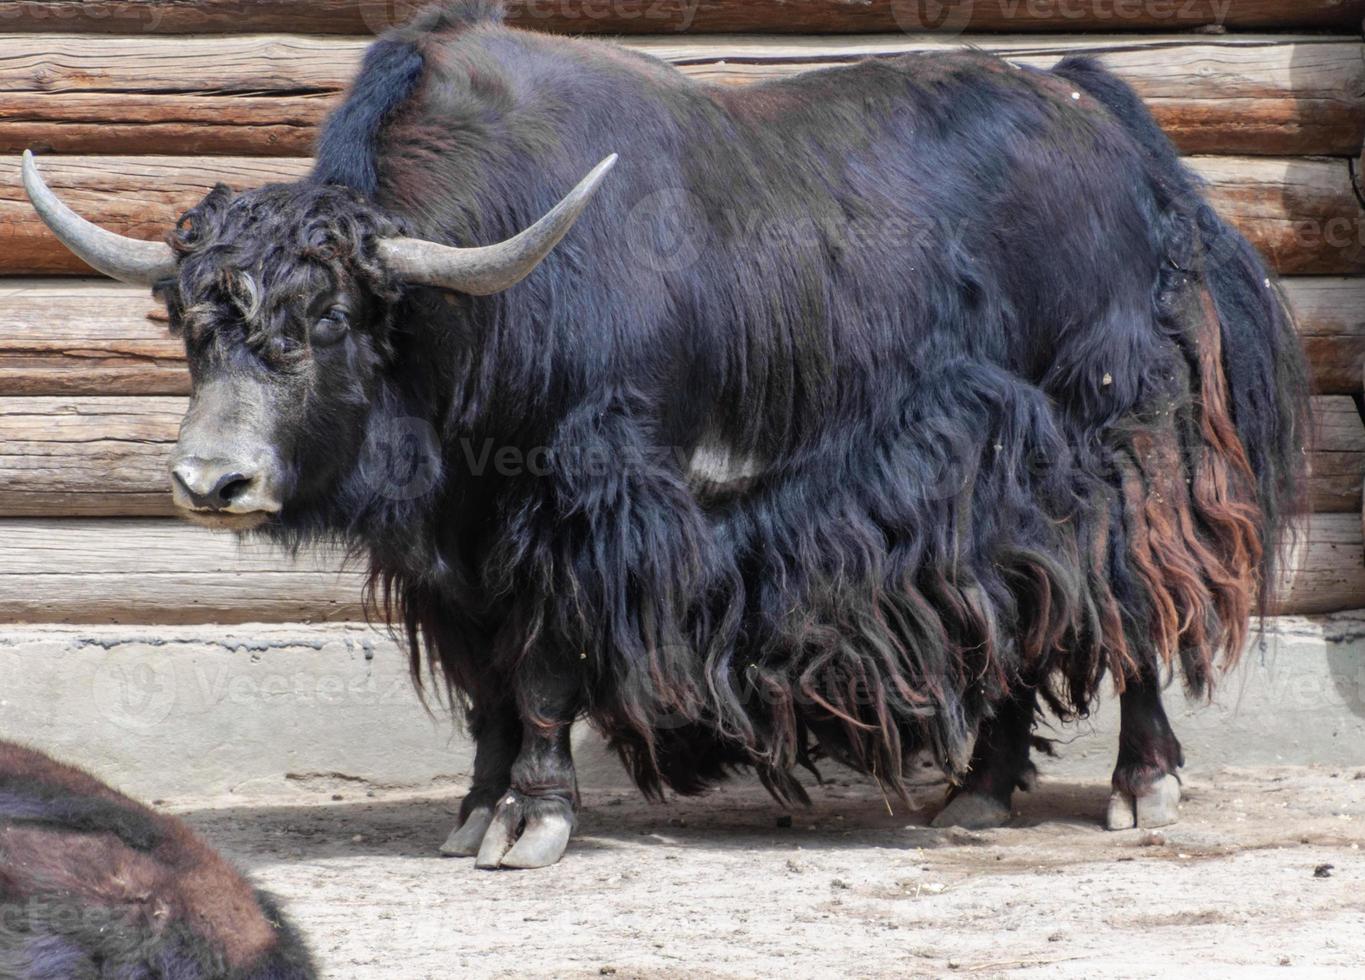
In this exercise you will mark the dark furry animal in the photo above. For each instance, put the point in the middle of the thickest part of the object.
(93, 884)
(859, 412)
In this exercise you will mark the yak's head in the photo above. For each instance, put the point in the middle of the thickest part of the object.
(285, 297)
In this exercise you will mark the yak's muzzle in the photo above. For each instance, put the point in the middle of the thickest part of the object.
(224, 493)
(225, 472)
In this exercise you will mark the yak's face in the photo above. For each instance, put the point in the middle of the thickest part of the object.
(285, 296)
(286, 324)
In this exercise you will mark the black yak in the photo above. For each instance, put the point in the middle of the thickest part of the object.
(858, 414)
(93, 884)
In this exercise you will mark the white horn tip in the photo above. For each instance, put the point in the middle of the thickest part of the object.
(598, 174)
(602, 168)
(28, 171)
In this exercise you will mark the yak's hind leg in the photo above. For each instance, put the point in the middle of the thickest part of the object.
(1000, 765)
(497, 740)
(1146, 791)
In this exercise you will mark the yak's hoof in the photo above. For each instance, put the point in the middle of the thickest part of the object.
(1158, 805)
(973, 811)
(526, 832)
(465, 839)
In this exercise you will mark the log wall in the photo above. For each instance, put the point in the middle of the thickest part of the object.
(263, 95)
(693, 16)
(139, 106)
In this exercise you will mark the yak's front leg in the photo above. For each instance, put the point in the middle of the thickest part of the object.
(531, 823)
(496, 729)
(1146, 791)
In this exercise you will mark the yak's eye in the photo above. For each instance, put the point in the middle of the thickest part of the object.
(330, 327)
(281, 346)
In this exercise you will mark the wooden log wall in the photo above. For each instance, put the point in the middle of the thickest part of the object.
(263, 95)
(694, 16)
(139, 106)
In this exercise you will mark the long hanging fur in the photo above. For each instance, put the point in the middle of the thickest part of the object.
(93, 884)
(998, 400)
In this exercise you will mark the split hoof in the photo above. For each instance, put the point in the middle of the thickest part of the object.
(465, 839)
(1158, 805)
(526, 832)
(973, 811)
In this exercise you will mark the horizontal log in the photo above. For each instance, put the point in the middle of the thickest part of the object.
(86, 337)
(1330, 315)
(106, 457)
(1338, 461)
(1302, 214)
(137, 196)
(185, 125)
(671, 16)
(96, 337)
(1325, 570)
(153, 572)
(1278, 96)
(88, 457)
(162, 572)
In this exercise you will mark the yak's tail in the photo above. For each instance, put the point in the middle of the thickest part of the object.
(1253, 367)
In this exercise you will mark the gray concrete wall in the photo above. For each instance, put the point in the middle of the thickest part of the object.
(1298, 698)
(174, 712)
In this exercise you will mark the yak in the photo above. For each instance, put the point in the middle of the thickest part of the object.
(94, 884)
(856, 414)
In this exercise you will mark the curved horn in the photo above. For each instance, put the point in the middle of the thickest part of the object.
(490, 269)
(129, 260)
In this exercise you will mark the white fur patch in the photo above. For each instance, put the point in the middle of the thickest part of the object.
(717, 466)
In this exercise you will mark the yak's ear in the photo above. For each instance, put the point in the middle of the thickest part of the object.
(491, 268)
(190, 227)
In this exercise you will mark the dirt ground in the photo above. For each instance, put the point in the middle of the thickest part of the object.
(1264, 874)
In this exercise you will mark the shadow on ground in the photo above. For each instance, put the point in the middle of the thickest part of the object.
(738, 817)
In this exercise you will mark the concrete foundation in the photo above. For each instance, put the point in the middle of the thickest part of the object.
(180, 712)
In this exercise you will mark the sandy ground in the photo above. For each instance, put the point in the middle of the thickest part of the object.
(1264, 874)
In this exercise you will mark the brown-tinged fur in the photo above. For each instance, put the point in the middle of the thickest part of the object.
(67, 838)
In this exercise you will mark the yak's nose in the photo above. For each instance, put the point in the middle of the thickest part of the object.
(213, 484)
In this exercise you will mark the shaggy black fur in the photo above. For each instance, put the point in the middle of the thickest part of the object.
(93, 884)
(1005, 404)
